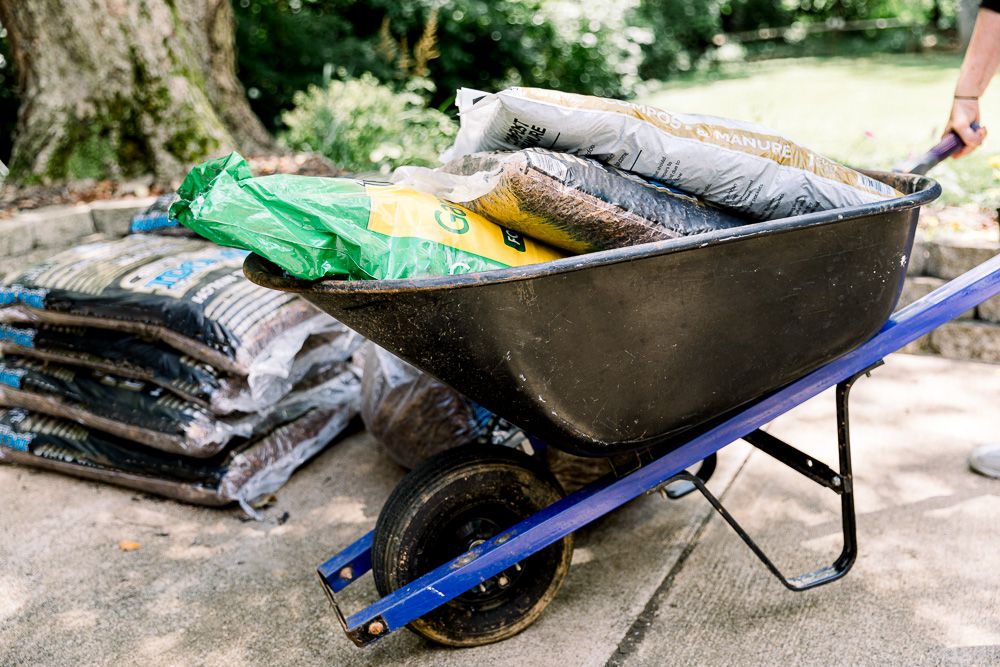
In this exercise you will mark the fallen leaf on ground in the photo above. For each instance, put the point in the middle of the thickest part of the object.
(128, 545)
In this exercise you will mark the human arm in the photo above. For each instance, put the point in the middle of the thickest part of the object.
(980, 64)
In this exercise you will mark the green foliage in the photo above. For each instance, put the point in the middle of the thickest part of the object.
(686, 31)
(683, 31)
(363, 125)
(286, 45)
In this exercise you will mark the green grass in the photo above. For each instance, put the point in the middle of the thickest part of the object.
(867, 112)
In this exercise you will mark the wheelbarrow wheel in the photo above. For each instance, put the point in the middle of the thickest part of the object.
(452, 503)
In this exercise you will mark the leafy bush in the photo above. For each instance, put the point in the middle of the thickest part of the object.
(287, 45)
(363, 125)
(597, 50)
(685, 31)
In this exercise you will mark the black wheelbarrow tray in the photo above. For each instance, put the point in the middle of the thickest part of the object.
(655, 356)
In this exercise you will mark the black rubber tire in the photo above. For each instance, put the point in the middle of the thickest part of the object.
(460, 496)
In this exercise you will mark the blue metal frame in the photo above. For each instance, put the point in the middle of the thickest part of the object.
(575, 511)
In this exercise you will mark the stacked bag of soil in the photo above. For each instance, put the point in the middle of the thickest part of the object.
(151, 362)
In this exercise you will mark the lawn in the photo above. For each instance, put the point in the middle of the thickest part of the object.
(868, 112)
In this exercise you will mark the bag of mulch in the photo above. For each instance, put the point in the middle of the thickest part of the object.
(156, 219)
(412, 415)
(188, 293)
(247, 472)
(145, 413)
(741, 166)
(573, 203)
(315, 227)
(136, 358)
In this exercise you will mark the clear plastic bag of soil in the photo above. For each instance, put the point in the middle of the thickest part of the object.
(412, 415)
(188, 293)
(250, 470)
(569, 202)
(148, 414)
(137, 358)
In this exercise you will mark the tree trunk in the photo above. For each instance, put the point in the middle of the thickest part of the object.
(124, 88)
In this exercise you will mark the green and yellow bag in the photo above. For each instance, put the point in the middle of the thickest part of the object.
(316, 227)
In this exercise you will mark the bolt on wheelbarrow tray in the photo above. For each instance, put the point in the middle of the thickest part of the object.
(655, 356)
(614, 351)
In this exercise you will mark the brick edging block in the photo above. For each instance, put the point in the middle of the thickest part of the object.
(61, 226)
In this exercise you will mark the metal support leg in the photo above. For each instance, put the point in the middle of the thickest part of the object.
(839, 482)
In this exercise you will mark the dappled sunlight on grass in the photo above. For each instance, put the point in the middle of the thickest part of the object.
(868, 112)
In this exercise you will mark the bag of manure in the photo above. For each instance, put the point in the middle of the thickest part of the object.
(314, 227)
(188, 293)
(137, 358)
(741, 166)
(147, 414)
(243, 474)
(412, 415)
(577, 204)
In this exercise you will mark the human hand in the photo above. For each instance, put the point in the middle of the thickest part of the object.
(963, 113)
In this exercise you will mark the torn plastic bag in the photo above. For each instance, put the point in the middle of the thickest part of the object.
(136, 358)
(147, 414)
(243, 474)
(315, 227)
(188, 293)
(412, 415)
(741, 166)
(573, 203)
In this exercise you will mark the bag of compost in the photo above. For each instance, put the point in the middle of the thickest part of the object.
(412, 415)
(577, 204)
(188, 293)
(738, 165)
(192, 380)
(315, 227)
(247, 472)
(144, 413)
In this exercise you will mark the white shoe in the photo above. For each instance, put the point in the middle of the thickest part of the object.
(985, 460)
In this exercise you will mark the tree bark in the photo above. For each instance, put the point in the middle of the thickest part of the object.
(124, 88)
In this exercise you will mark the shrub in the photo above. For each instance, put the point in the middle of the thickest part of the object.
(286, 45)
(363, 125)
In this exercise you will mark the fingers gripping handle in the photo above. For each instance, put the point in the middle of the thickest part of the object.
(944, 149)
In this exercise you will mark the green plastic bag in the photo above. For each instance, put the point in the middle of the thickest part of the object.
(316, 227)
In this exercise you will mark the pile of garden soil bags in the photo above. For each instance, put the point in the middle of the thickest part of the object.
(151, 362)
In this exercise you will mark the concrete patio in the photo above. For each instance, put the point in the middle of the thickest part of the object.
(657, 583)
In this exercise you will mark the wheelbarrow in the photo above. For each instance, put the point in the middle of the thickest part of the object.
(654, 356)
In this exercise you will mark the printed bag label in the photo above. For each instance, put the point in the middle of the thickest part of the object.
(404, 213)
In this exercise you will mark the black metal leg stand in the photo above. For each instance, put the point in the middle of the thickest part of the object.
(840, 482)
